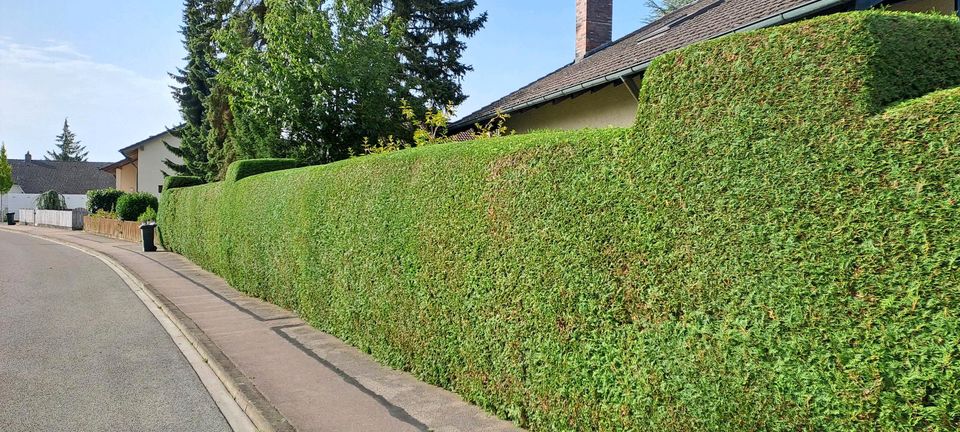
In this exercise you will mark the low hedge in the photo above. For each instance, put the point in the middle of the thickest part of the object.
(173, 182)
(771, 248)
(103, 199)
(246, 168)
(131, 206)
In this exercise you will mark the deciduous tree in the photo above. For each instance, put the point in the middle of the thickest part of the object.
(6, 173)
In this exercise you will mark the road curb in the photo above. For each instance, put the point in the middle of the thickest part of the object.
(256, 408)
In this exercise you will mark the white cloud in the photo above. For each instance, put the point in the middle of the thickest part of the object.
(109, 106)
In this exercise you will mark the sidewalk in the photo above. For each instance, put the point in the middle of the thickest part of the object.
(285, 374)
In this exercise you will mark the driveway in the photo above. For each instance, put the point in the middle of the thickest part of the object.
(80, 352)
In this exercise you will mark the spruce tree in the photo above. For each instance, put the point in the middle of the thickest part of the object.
(68, 147)
(201, 18)
(433, 45)
(660, 8)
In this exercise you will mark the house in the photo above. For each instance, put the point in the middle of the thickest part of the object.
(599, 87)
(71, 179)
(142, 168)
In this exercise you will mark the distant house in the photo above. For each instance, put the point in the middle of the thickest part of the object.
(71, 179)
(599, 88)
(142, 168)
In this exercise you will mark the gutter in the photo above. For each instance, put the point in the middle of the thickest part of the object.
(771, 21)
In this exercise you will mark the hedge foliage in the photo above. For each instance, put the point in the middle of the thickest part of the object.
(130, 206)
(177, 181)
(246, 168)
(103, 199)
(773, 247)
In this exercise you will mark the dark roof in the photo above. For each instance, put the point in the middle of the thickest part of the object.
(629, 55)
(38, 176)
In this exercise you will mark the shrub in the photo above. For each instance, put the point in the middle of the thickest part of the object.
(772, 250)
(131, 206)
(149, 215)
(103, 214)
(51, 200)
(103, 199)
(173, 182)
(246, 168)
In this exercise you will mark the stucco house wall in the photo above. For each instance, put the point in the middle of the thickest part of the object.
(612, 105)
(150, 166)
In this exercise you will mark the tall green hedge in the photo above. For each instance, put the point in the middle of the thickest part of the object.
(771, 248)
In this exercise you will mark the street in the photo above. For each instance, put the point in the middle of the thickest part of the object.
(80, 352)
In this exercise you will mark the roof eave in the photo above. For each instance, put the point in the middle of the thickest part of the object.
(112, 168)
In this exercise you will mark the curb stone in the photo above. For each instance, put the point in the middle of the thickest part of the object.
(257, 408)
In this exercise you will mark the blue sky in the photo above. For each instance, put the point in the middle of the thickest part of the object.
(104, 64)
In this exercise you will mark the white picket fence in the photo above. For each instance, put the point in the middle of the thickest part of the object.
(72, 219)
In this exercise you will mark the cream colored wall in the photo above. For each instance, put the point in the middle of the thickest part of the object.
(127, 177)
(610, 106)
(942, 6)
(150, 162)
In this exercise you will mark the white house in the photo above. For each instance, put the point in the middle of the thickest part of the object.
(71, 179)
(142, 168)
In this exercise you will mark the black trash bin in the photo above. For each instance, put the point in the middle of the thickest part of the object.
(146, 231)
(10, 219)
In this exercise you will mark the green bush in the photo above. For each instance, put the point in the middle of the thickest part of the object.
(103, 214)
(131, 206)
(51, 200)
(173, 182)
(246, 168)
(103, 199)
(148, 215)
(771, 248)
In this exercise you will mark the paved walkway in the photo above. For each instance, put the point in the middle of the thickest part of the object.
(290, 375)
(79, 351)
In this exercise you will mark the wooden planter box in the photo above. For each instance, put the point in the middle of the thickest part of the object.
(113, 228)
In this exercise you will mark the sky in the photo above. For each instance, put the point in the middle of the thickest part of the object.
(104, 65)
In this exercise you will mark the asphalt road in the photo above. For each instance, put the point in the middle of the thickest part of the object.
(80, 352)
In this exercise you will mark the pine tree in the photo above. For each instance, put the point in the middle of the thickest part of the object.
(433, 45)
(6, 173)
(68, 147)
(201, 18)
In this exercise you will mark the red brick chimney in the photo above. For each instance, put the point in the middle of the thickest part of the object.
(594, 25)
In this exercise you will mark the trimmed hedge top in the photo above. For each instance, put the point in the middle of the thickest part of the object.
(249, 167)
(173, 182)
(767, 250)
(815, 72)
